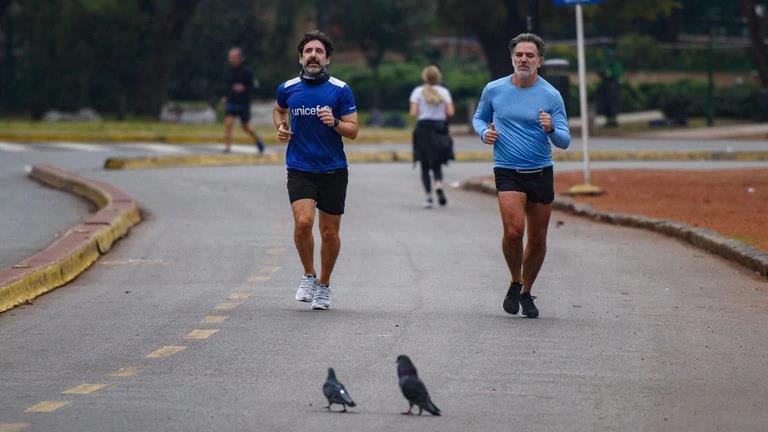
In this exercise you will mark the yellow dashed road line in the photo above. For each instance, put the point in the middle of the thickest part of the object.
(125, 371)
(214, 319)
(226, 306)
(201, 334)
(269, 269)
(13, 427)
(84, 389)
(165, 351)
(238, 296)
(46, 406)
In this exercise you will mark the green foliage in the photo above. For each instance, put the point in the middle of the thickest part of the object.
(78, 53)
(680, 100)
(399, 79)
(378, 27)
(635, 49)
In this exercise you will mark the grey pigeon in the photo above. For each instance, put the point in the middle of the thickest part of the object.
(413, 388)
(335, 392)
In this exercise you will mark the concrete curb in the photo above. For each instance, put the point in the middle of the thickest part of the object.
(702, 238)
(79, 247)
(169, 161)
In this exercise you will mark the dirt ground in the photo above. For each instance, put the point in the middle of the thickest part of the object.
(732, 202)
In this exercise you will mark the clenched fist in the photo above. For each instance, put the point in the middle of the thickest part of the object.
(491, 135)
(545, 120)
(326, 116)
(283, 133)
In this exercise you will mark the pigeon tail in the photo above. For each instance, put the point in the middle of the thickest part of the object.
(431, 408)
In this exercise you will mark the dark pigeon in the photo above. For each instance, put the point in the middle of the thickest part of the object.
(335, 392)
(413, 388)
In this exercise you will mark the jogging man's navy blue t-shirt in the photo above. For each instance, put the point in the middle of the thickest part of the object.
(315, 147)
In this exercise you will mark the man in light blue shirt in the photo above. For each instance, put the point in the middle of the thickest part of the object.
(520, 115)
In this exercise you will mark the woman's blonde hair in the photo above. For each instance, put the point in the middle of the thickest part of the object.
(431, 76)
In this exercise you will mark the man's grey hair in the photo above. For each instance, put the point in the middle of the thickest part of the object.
(528, 37)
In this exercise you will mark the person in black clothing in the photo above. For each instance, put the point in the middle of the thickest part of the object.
(432, 104)
(238, 99)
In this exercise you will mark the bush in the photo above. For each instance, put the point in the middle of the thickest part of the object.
(635, 50)
(397, 80)
(679, 100)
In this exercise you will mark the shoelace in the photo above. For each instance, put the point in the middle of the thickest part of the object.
(307, 284)
(323, 293)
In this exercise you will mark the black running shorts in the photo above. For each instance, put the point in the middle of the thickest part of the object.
(538, 185)
(328, 189)
(243, 112)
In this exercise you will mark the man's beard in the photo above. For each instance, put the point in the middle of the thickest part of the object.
(314, 74)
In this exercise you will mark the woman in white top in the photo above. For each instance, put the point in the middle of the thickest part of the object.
(431, 104)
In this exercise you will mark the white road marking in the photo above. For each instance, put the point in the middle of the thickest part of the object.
(240, 148)
(78, 146)
(157, 148)
(11, 147)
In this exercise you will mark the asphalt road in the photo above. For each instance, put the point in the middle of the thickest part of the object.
(32, 216)
(637, 331)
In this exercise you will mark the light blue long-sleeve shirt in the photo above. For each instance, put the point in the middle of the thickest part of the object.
(514, 111)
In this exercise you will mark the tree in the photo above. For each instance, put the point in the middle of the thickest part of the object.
(4, 4)
(756, 34)
(164, 49)
(493, 23)
(378, 27)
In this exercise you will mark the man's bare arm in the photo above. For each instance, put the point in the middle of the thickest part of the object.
(280, 119)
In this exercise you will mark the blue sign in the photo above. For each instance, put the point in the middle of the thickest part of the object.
(573, 2)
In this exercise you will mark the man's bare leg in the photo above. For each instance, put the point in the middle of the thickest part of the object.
(330, 246)
(254, 136)
(229, 122)
(304, 220)
(537, 215)
(512, 207)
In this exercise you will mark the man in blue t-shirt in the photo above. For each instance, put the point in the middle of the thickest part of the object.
(322, 111)
(519, 115)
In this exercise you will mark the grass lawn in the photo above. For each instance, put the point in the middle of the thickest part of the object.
(145, 130)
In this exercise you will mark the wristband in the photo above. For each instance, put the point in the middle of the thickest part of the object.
(336, 122)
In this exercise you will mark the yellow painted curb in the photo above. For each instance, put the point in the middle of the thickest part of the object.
(269, 139)
(202, 159)
(79, 247)
(406, 156)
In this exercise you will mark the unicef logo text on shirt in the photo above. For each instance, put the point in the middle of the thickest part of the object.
(308, 110)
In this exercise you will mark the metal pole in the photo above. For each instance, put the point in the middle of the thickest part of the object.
(582, 91)
(710, 78)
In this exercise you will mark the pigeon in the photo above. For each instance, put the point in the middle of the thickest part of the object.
(335, 392)
(413, 388)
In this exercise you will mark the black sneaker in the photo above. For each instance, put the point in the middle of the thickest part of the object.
(529, 309)
(441, 197)
(512, 301)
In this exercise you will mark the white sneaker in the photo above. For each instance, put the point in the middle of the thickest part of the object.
(307, 287)
(428, 203)
(322, 298)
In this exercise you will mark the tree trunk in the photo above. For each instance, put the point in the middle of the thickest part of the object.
(533, 21)
(373, 58)
(495, 41)
(8, 69)
(156, 71)
(3, 9)
(759, 49)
